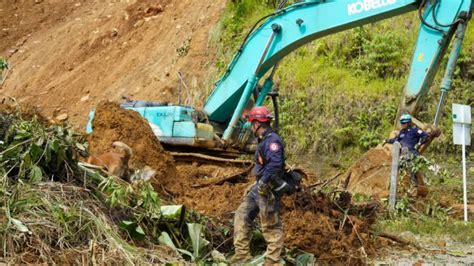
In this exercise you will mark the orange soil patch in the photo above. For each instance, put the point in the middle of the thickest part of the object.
(112, 123)
(370, 174)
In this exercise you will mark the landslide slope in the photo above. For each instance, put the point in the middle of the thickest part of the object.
(71, 54)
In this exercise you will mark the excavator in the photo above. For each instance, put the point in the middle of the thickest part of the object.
(248, 79)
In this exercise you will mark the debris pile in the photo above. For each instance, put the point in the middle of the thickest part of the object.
(329, 226)
(112, 123)
(334, 230)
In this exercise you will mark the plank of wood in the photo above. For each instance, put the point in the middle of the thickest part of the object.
(222, 180)
(208, 157)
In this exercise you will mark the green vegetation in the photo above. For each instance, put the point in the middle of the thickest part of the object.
(56, 210)
(433, 217)
(432, 227)
(3, 63)
(3, 67)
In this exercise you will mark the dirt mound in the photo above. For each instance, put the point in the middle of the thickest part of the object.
(72, 54)
(370, 175)
(313, 223)
(218, 201)
(317, 225)
(112, 123)
(214, 200)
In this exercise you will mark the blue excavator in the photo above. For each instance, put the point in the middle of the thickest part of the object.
(248, 80)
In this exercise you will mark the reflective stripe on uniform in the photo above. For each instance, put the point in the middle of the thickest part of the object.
(281, 186)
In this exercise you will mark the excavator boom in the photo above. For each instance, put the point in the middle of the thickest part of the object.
(287, 29)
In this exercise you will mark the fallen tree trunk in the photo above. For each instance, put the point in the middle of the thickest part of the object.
(395, 239)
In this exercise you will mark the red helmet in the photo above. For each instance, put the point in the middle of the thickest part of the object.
(260, 113)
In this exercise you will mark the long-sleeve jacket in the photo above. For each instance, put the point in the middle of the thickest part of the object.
(409, 137)
(269, 157)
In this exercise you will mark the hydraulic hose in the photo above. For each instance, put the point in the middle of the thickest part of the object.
(420, 15)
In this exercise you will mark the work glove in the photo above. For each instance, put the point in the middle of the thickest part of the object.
(417, 146)
(264, 189)
(249, 187)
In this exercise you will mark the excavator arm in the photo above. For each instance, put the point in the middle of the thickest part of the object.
(287, 29)
(290, 28)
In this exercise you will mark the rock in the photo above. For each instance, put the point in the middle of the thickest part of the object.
(114, 33)
(407, 235)
(62, 117)
(138, 23)
(153, 10)
(85, 98)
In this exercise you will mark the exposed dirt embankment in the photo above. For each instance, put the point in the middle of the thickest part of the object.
(72, 54)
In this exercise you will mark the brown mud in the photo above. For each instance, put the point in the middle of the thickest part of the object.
(370, 174)
(112, 123)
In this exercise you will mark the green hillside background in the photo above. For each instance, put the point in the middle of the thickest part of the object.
(340, 94)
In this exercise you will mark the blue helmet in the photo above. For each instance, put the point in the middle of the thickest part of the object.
(404, 119)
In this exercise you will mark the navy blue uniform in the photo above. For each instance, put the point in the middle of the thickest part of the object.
(269, 157)
(409, 137)
(269, 162)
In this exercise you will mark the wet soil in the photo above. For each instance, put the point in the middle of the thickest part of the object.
(112, 123)
(370, 175)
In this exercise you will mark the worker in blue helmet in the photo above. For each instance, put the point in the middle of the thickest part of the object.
(411, 138)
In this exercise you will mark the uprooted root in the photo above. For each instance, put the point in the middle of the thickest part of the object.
(333, 230)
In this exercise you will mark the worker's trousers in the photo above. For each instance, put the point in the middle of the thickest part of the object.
(268, 209)
(408, 162)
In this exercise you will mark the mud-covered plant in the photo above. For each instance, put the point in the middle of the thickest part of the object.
(184, 48)
(3, 66)
(5, 123)
(138, 202)
(3, 63)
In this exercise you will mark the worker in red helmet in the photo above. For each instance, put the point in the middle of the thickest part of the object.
(263, 198)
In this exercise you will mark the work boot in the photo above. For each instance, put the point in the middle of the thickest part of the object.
(422, 191)
(268, 262)
(413, 192)
(239, 260)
